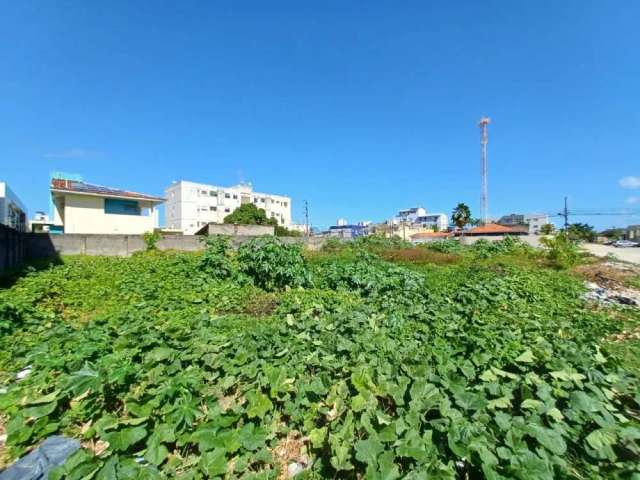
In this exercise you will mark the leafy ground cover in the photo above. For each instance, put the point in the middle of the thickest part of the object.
(363, 361)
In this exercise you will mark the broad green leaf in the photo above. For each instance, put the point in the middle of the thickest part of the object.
(367, 450)
(121, 440)
(214, 463)
(259, 404)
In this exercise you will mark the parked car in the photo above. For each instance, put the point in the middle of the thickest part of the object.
(624, 244)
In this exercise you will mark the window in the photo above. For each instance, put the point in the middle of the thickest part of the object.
(203, 192)
(262, 200)
(116, 206)
(255, 199)
(213, 209)
(226, 195)
(285, 204)
(235, 197)
(227, 210)
(213, 194)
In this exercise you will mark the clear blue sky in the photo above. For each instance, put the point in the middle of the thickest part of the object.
(362, 108)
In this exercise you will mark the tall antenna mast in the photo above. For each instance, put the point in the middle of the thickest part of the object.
(306, 219)
(484, 139)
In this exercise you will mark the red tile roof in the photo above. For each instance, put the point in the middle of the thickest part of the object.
(61, 185)
(496, 229)
(420, 235)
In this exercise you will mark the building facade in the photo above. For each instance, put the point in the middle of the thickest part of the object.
(13, 213)
(536, 221)
(80, 207)
(633, 233)
(418, 218)
(190, 205)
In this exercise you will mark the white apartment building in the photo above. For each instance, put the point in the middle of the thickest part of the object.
(418, 216)
(190, 206)
(536, 221)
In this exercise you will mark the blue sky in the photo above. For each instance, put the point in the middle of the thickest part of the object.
(361, 108)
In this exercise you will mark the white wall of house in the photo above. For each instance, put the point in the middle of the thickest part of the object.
(86, 214)
(13, 212)
(189, 205)
(536, 221)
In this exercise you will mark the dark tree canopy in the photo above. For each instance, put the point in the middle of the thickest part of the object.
(249, 214)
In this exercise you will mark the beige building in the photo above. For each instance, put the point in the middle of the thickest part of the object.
(79, 207)
(190, 205)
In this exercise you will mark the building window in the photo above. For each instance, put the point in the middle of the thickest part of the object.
(213, 194)
(203, 192)
(116, 206)
(227, 210)
(262, 200)
(213, 209)
(285, 204)
(226, 195)
(235, 197)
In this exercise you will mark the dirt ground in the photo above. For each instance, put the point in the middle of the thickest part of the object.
(624, 254)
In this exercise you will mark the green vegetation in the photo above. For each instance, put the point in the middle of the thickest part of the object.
(151, 239)
(441, 362)
(249, 214)
(461, 215)
(582, 232)
(547, 229)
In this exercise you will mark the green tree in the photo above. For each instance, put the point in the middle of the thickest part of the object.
(582, 231)
(547, 229)
(248, 214)
(613, 233)
(461, 215)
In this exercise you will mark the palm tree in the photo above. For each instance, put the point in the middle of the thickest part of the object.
(461, 215)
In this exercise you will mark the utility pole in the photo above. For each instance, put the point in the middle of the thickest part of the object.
(565, 215)
(306, 218)
(484, 139)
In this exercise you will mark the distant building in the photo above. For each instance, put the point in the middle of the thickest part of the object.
(80, 207)
(341, 222)
(190, 205)
(13, 213)
(534, 221)
(633, 233)
(418, 218)
(40, 223)
(512, 219)
(410, 215)
(348, 231)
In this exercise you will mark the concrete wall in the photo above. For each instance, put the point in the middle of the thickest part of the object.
(12, 249)
(85, 214)
(242, 230)
(533, 240)
(44, 245)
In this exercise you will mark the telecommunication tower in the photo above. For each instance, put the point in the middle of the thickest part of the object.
(484, 139)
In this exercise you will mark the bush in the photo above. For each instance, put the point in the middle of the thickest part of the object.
(444, 246)
(215, 259)
(561, 251)
(273, 265)
(150, 240)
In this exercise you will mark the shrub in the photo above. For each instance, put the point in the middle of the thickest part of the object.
(215, 259)
(273, 265)
(561, 251)
(444, 246)
(150, 240)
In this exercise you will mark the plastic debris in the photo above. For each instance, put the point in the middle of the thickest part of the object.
(24, 372)
(53, 452)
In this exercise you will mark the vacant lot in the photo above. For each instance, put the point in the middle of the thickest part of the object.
(372, 360)
(624, 254)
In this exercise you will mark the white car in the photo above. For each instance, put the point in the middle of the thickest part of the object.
(624, 244)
